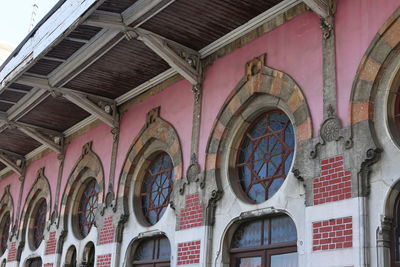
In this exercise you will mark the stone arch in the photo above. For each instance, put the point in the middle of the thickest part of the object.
(261, 86)
(234, 223)
(7, 203)
(155, 130)
(40, 190)
(88, 166)
(371, 69)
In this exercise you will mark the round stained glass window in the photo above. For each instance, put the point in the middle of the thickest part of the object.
(5, 229)
(157, 187)
(265, 155)
(88, 208)
(39, 223)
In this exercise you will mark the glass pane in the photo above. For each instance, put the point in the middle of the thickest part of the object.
(165, 249)
(145, 251)
(265, 154)
(283, 230)
(284, 260)
(248, 235)
(249, 262)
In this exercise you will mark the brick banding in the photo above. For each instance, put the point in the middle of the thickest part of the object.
(334, 183)
(104, 260)
(188, 253)
(107, 232)
(192, 215)
(51, 244)
(333, 234)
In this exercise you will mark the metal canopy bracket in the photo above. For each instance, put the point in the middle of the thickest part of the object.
(14, 161)
(321, 7)
(102, 108)
(184, 60)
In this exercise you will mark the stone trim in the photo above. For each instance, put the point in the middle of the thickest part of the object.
(155, 129)
(259, 80)
(7, 205)
(40, 189)
(372, 63)
(88, 165)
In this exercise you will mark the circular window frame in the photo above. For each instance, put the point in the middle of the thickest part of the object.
(76, 206)
(237, 128)
(32, 221)
(150, 153)
(393, 125)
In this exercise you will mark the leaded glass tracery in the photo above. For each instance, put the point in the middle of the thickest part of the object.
(5, 229)
(265, 155)
(157, 187)
(268, 242)
(39, 223)
(88, 206)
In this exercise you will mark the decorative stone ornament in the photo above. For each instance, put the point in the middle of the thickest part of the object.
(330, 129)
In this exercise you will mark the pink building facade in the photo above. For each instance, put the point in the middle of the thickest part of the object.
(278, 146)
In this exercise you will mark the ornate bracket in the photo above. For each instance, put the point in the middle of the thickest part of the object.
(216, 195)
(372, 156)
(327, 22)
(14, 161)
(152, 116)
(331, 130)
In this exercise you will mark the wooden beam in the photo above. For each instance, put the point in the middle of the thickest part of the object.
(16, 90)
(7, 102)
(92, 108)
(104, 19)
(54, 59)
(160, 47)
(34, 134)
(78, 98)
(6, 160)
(77, 40)
(321, 7)
(143, 10)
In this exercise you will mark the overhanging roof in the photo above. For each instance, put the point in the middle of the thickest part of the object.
(87, 57)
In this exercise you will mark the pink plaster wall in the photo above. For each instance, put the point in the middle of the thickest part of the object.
(357, 22)
(101, 139)
(176, 104)
(294, 48)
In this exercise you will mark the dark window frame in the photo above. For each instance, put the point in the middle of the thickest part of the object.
(150, 178)
(249, 162)
(87, 207)
(156, 261)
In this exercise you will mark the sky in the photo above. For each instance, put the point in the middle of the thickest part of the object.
(15, 18)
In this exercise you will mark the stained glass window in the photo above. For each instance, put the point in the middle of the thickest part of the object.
(152, 250)
(265, 155)
(268, 242)
(39, 223)
(5, 229)
(157, 187)
(88, 207)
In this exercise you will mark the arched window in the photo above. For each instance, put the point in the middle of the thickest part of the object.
(154, 252)
(4, 232)
(157, 187)
(265, 155)
(87, 207)
(88, 255)
(38, 223)
(35, 262)
(269, 242)
(70, 259)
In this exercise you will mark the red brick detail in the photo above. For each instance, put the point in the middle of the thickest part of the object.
(48, 265)
(334, 183)
(107, 231)
(188, 253)
(104, 260)
(192, 215)
(51, 244)
(333, 234)
(12, 252)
